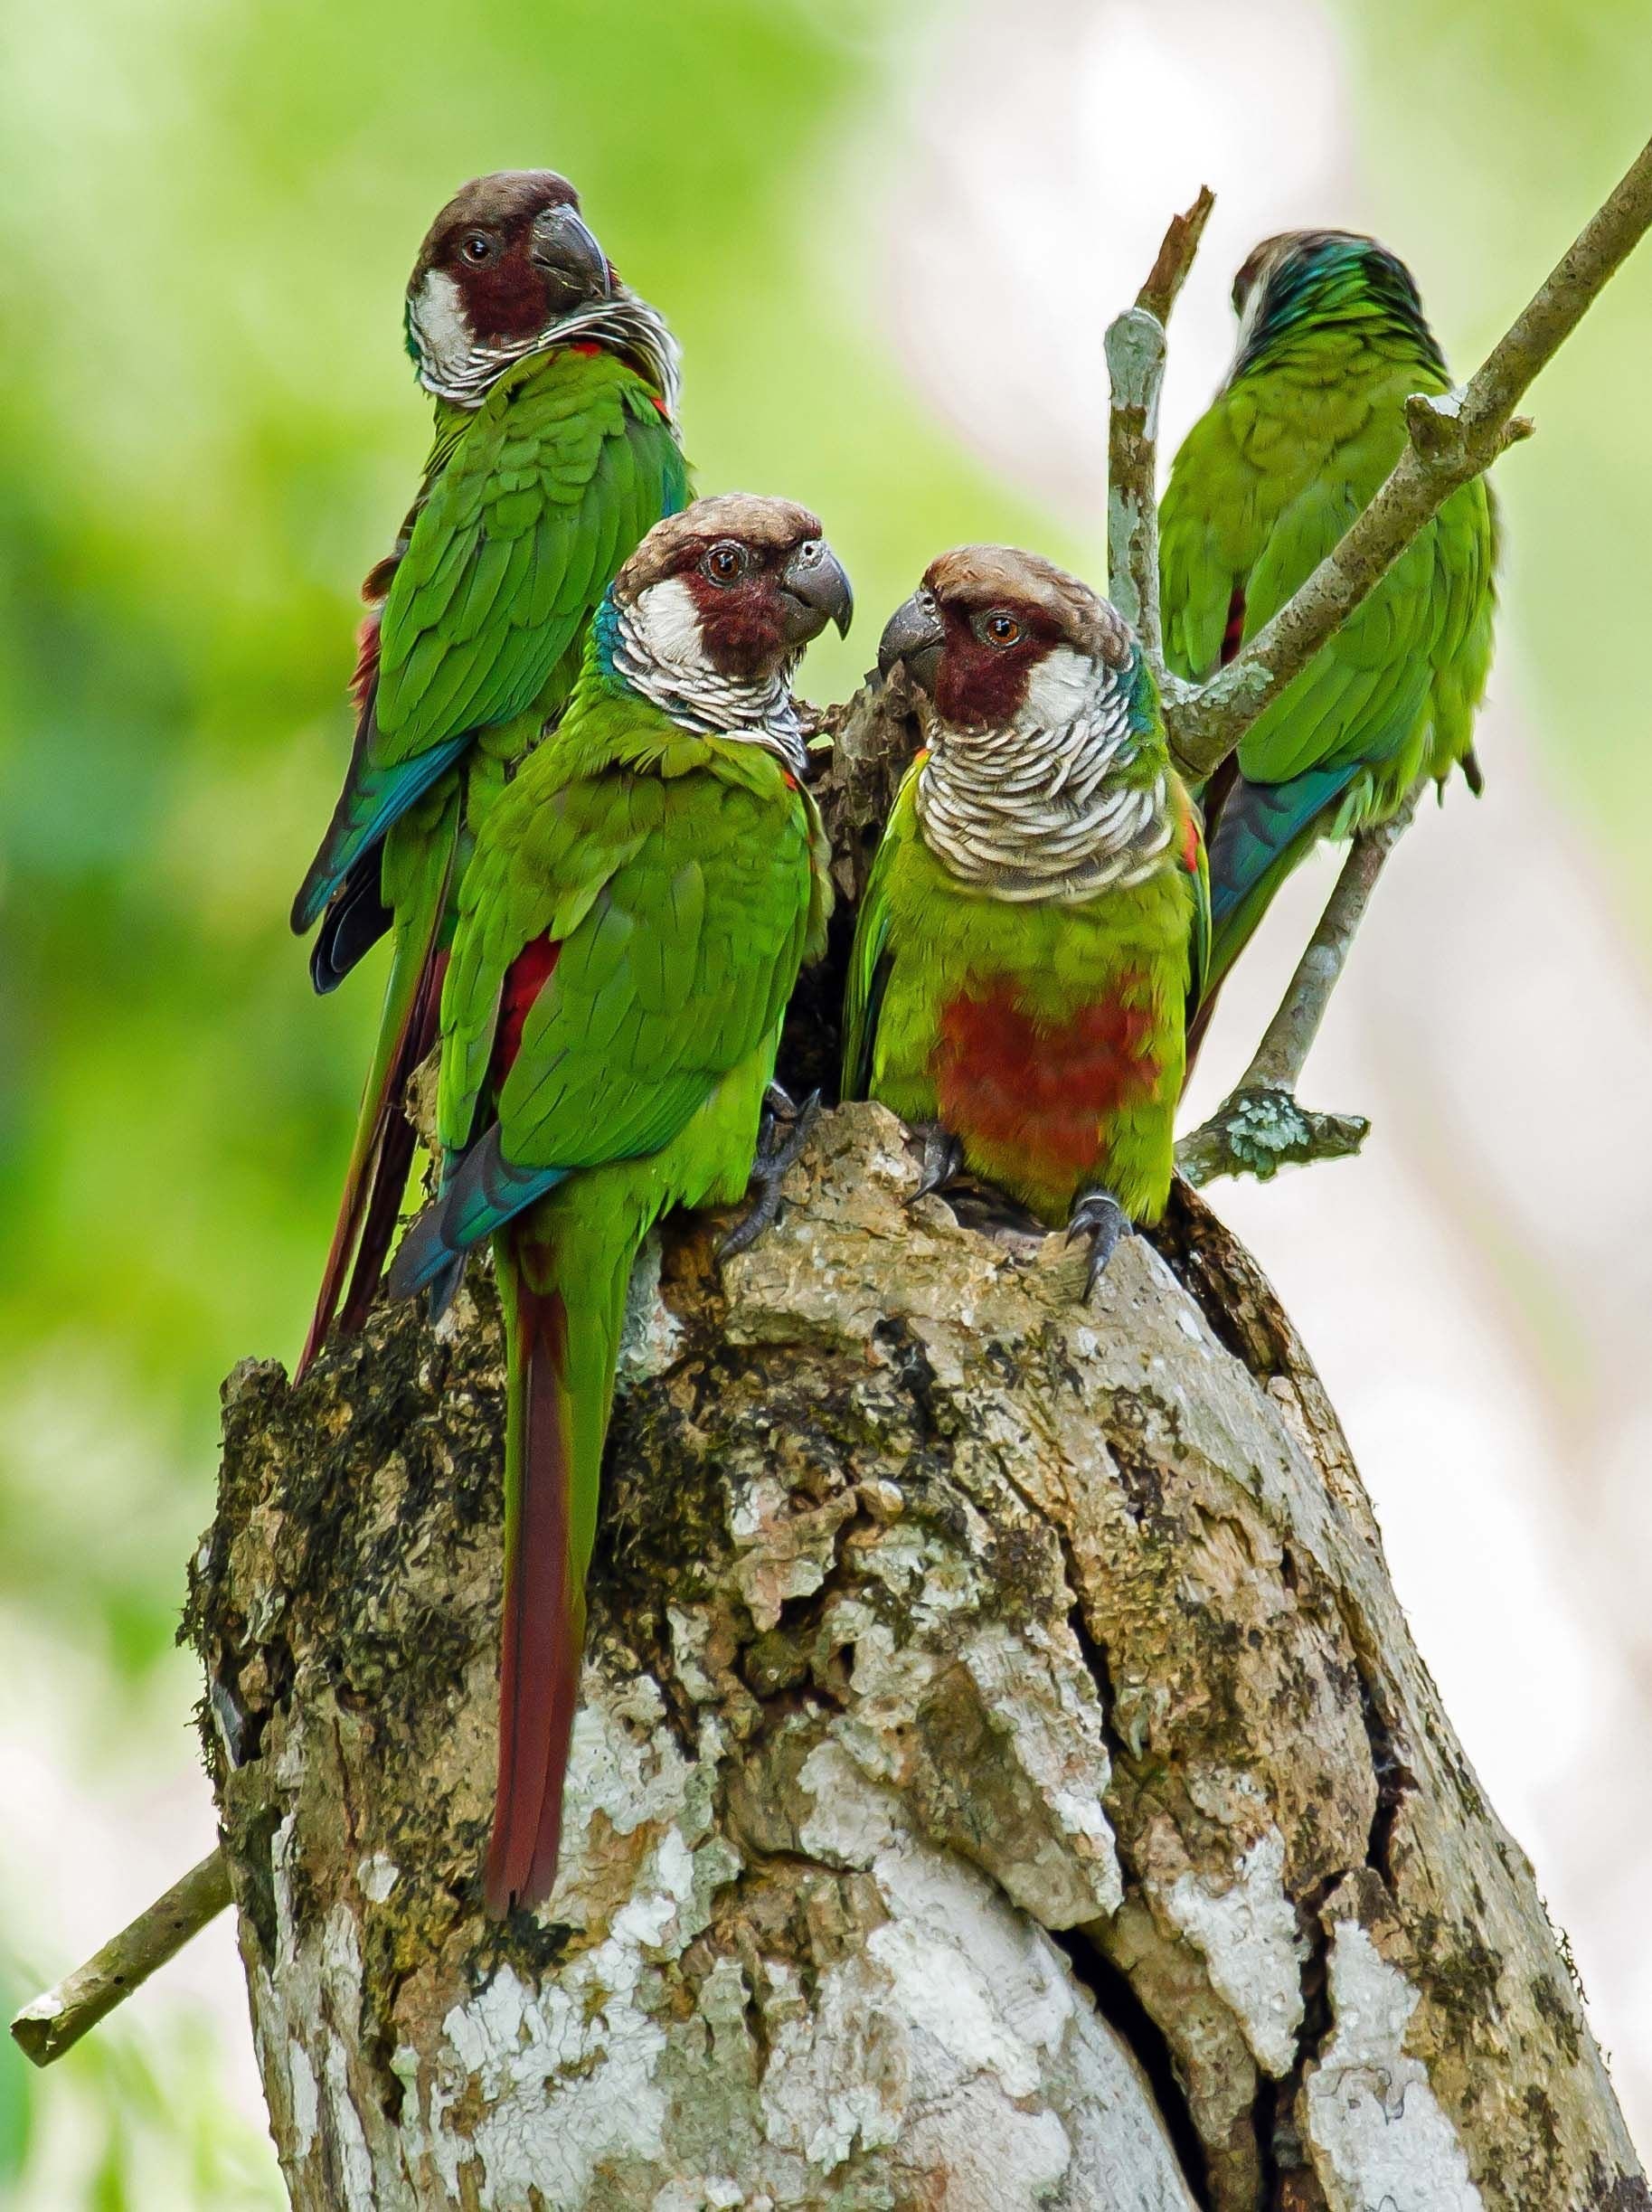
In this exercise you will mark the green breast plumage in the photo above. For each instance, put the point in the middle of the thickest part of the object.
(1045, 1036)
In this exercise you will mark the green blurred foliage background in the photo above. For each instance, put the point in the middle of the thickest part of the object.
(208, 432)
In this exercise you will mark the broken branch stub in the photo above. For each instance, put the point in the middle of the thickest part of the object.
(1135, 346)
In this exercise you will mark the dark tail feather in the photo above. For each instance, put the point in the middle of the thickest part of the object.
(391, 1170)
(355, 920)
(544, 1613)
(1197, 1025)
(444, 1287)
(377, 1175)
(1212, 797)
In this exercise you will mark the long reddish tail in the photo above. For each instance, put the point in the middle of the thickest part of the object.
(380, 1159)
(544, 1635)
(386, 1185)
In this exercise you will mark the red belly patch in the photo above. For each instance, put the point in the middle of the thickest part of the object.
(1043, 1089)
(525, 978)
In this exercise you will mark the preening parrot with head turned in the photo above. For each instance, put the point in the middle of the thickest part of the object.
(630, 927)
(555, 449)
(1311, 419)
(1034, 920)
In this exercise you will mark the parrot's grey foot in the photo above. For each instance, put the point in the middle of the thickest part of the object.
(1098, 1214)
(781, 1137)
(1258, 1130)
(943, 1157)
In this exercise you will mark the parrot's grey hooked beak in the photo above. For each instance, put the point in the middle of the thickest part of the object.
(815, 579)
(565, 251)
(915, 634)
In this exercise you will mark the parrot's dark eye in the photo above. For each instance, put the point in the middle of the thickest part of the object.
(998, 629)
(724, 563)
(476, 247)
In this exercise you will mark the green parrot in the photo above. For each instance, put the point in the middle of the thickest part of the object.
(630, 927)
(555, 449)
(1036, 919)
(1310, 420)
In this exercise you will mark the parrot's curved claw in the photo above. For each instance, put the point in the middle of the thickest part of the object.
(943, 1157)
(1098, 1214)
(777, 1155)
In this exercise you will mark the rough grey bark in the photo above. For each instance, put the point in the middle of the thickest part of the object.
(1005, 1778)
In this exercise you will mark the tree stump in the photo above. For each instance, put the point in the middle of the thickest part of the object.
(1005, 1776)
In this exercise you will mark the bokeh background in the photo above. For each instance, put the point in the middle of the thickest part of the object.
(890, 237)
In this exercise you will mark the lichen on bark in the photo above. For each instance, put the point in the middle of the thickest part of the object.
(1004, 1777)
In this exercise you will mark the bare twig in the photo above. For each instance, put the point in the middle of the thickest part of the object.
(1135, 370)
(44, 2030)
(1169, 272)
(1260, 1127)
(1452, 438)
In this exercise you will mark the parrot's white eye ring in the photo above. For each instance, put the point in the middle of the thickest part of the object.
(476, 247)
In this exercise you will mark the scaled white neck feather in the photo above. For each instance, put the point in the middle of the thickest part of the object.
(456, 364)
(659, 654)
(1034, 810)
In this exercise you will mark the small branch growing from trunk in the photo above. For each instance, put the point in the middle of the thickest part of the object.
(1169, 272)
(1260, 1127)
(56, 2022)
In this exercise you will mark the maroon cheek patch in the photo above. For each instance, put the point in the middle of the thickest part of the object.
(738, 626)
(977, 683)
(506, 298)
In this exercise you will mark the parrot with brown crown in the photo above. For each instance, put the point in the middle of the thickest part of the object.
(1332, 341)
(1034, 921)
(630, 927)
(555, 449)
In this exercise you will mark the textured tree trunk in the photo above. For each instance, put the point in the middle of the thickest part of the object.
(1004, 1777)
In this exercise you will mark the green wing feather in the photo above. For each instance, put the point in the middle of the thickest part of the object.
(529, 505)
(567, 460)
(1199, 938)
(610, 1067)
(662, 893)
